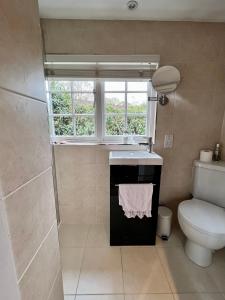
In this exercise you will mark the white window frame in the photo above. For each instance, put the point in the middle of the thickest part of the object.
(100, 136)
(56, 138)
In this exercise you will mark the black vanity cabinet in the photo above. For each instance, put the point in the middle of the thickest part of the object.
(133, 231)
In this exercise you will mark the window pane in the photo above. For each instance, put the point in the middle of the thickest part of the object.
(115, 125)
(114, 86)
(84, 103)
(136, 125)
(85, 126)
(114, 102)
(83, 86)
(61, 102)
(60, 86)
(137, 102)
(135, 86)
(63, 125)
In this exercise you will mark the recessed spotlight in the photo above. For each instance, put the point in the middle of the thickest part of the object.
(132, 4)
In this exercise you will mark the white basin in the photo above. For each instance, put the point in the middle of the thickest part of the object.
(134, 158)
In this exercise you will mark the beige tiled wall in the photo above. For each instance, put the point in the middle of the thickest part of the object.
(27, 206)
(195, 113)
(83, 183)
(8, 282)
(223, 138)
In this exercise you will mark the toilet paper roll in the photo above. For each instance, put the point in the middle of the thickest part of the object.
(206, 155)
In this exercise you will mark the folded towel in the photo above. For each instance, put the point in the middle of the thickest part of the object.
(136, 199)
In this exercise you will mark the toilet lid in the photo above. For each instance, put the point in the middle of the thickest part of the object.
(204, 216)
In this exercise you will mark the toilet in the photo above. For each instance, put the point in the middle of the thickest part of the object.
(202, 218)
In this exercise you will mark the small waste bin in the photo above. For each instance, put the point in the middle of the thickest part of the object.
(164, 222)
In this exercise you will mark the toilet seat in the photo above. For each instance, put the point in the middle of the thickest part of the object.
(203, 216)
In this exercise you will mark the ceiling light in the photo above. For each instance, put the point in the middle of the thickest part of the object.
(132, 4)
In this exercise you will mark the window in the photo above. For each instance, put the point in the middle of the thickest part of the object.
(100, 110)
(72, 107)
(126, 107)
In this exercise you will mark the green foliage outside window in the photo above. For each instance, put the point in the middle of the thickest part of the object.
(85, 126)
(61, 97)
(115, 124)
(63, 125)
(79, 102)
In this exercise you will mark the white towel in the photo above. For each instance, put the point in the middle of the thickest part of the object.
(136, 199)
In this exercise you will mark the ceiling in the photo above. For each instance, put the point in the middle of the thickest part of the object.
(163, 10)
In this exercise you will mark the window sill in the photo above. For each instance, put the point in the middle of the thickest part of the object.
(107, 146)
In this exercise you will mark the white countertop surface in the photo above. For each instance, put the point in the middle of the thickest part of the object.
(134, 158)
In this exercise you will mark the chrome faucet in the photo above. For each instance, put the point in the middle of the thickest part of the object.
(149, 144)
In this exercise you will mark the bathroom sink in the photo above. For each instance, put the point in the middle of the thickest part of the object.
(134, 158)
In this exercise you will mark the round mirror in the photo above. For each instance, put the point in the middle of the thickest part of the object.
(166, 79)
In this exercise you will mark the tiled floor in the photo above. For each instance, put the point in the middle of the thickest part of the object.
(92, 270)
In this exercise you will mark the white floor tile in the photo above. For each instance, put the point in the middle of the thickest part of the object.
(201, 296)
(149, 297)
(71, 259)
(69, 297)
(217, 269)
(101, 272)
(98, 236)
(146, 270)
(100, 297)
(176, 238)
(184, 276)
(142, 271)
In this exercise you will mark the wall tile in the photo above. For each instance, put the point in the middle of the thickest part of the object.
(39, 278)
(80, 194)
(223, 138)
(25, 150)
(74, 155)
(102, 156)
(165, 115)
(21, 48)
(102, 204)
(73, 214)
(73, 236)
(102, 175)
(90, 37)
(8, 281)
(25, 208)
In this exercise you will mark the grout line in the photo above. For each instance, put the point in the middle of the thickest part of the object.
(121, 294)
(59, 225)
(35, 254)
(173, 295)
(25, 184)
(80, 269)
(87, 236)
(23, 95)
(82, 262)
(54, 281)
(121, 260)
(164, 270)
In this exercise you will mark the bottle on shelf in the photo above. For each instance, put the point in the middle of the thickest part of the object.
(217, 152)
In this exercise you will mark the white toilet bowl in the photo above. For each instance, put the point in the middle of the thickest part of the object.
(203, 224)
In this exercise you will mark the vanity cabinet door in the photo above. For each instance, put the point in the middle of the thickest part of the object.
(133, 231)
